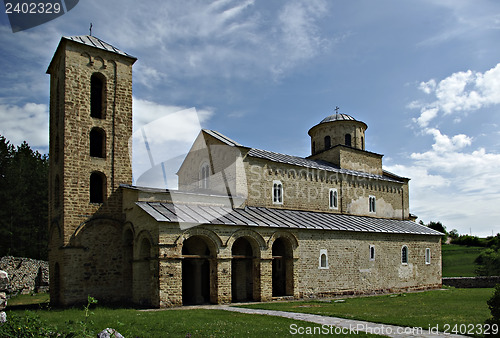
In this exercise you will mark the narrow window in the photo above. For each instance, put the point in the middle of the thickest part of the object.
(313, 148)
(204, 175)
(333, 199)
(404, 255)
(277, 192)
(57, 191)
(371, 204)
(362, 143)
(323, 259)
(427, 256)
(97, 95)
(348, 140)
(97, 143)
(328, 142)
(97, 187)
(372, 252)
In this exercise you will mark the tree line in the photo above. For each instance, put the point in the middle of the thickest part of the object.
(23, 201)
(488, 261)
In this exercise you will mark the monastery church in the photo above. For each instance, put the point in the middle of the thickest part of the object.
(245, 224)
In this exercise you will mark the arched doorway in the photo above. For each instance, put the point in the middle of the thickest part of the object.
(282, 273)
(242, 275)
(196, 271)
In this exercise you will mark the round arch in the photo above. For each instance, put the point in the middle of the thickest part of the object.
(256, 240)
(213, 240)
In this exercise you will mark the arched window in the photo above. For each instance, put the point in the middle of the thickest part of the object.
(371, 204)
(372, 252)
(204, 175)
(328, 142)
(333, 199)
(277, 192)
(348, 140)
(97, 95)
(97, 143)
(404, 254)
(323, 259)
(97, 187)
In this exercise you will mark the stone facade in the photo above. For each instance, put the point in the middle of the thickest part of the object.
(218, 239)
(90, 127)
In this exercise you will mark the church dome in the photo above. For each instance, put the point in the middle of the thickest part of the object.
(337, 129)
(338, 117)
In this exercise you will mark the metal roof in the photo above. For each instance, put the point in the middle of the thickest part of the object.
(222, 138)
(93, 41)
(313, 164)
(338, 117)
(278, 218)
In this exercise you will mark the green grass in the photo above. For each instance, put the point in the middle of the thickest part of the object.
(458, 260)
(22, 300)
(420, 309)
(168, 323)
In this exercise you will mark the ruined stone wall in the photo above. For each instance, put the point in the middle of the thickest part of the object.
(26, 275)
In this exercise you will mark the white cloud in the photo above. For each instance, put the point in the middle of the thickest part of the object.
(427, 87)
(25, 123)
(298, 37)
(426, 116)
(459, 93)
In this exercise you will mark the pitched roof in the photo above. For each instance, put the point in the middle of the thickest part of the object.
(93, 41)
(278, 218)
(315, 164)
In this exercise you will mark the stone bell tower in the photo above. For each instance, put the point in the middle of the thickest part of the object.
(90, 127)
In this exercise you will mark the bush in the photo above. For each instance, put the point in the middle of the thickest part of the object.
(488, 263)
(494, 305)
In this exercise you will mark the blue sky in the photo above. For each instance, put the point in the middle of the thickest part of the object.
(423, 75)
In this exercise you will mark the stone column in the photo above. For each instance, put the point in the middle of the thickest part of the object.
(266, 279)
(224, 276)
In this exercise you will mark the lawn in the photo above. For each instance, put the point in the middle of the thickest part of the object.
(420, 309)
(458, 260)
(163, 323)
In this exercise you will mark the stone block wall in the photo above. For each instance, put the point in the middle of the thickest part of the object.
(26, 275)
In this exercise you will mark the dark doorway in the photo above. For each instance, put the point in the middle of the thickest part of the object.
(282, 268)
(195, 271)
(242, 276)
(55, 295)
